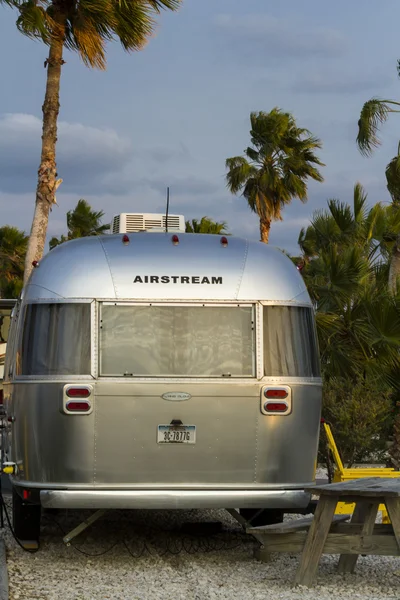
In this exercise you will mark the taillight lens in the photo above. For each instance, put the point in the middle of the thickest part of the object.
(275, 407)
(78, 392)
(78, 406)
(275, 393)
(276, 400)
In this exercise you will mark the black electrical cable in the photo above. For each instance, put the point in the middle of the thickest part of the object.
(175, 544)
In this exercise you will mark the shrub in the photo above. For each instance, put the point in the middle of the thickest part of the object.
(361, 416)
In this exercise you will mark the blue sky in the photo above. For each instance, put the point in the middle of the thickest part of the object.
(171, 114)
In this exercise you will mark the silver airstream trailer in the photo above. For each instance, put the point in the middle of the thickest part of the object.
(162, 370)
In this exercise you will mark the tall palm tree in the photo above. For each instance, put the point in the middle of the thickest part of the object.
(83, 26)
(374, 113)
(81, 222)
(13, 244)
(275, 169)
(206, 225)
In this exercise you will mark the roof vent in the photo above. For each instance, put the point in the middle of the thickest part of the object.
(132, 222)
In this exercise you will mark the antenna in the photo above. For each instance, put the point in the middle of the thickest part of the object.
(166, 215)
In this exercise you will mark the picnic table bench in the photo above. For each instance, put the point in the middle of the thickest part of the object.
(327, 533)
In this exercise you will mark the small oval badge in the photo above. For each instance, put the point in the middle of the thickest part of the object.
(176, 396)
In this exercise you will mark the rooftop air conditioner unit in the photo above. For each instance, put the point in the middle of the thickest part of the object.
(131, 222)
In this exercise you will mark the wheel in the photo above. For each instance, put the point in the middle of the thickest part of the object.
(26, 518)
(262, 516)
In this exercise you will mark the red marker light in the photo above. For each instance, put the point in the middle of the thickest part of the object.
(35, 264)
(78, 392)
(78, 406)
(275, 393)
(275, 407)
(175, 240)
(125, 239)
(224, 241)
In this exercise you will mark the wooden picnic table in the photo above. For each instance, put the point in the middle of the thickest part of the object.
(326, 533)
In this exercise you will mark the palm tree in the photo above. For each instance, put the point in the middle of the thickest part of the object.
(275, 169)
(348, 226)
(346, 272)
(206, 225)
(83, 26)
(81, 222)
(374, 113)
(13, 244)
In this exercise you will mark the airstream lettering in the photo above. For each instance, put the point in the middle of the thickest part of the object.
(124, 392)
(177, 279)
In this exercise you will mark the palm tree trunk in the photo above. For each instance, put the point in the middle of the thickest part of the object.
(265, 226)
(47, 174)
(394, 270)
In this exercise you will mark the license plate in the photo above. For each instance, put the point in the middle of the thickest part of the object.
(176, 434)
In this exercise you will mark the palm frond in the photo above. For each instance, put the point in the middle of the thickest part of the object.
(374, 113)
(86, 26)
(239, 171)
(359, 203)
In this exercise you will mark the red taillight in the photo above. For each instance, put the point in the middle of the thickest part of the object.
(78, 392)
(175, 240)
(275, 393)
(275, 407)
(125, 239)
(224, 241)
(78, 406)
(26, 494)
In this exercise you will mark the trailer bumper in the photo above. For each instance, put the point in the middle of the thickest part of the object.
(175, 499)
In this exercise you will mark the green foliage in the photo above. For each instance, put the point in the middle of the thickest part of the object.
(345, 267)
(81, 222)
(85, 26)
(206, 225)
(361, 415)
(275, 169)
(13, 244)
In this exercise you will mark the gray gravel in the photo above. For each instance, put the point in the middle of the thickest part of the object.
(59, 572)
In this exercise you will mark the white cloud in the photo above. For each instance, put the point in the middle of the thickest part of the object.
(83, 153)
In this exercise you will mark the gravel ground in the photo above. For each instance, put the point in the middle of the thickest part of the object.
(149, 555)
(141, 566)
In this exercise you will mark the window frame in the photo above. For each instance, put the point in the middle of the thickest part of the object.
(314, 379)
(19, 339)
(194, 378)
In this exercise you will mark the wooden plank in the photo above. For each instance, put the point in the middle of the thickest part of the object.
(364, 514)
(292, 525)
(393, 508)
(355, 528)
(336, 543)
(369, 486)
(316, 539)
